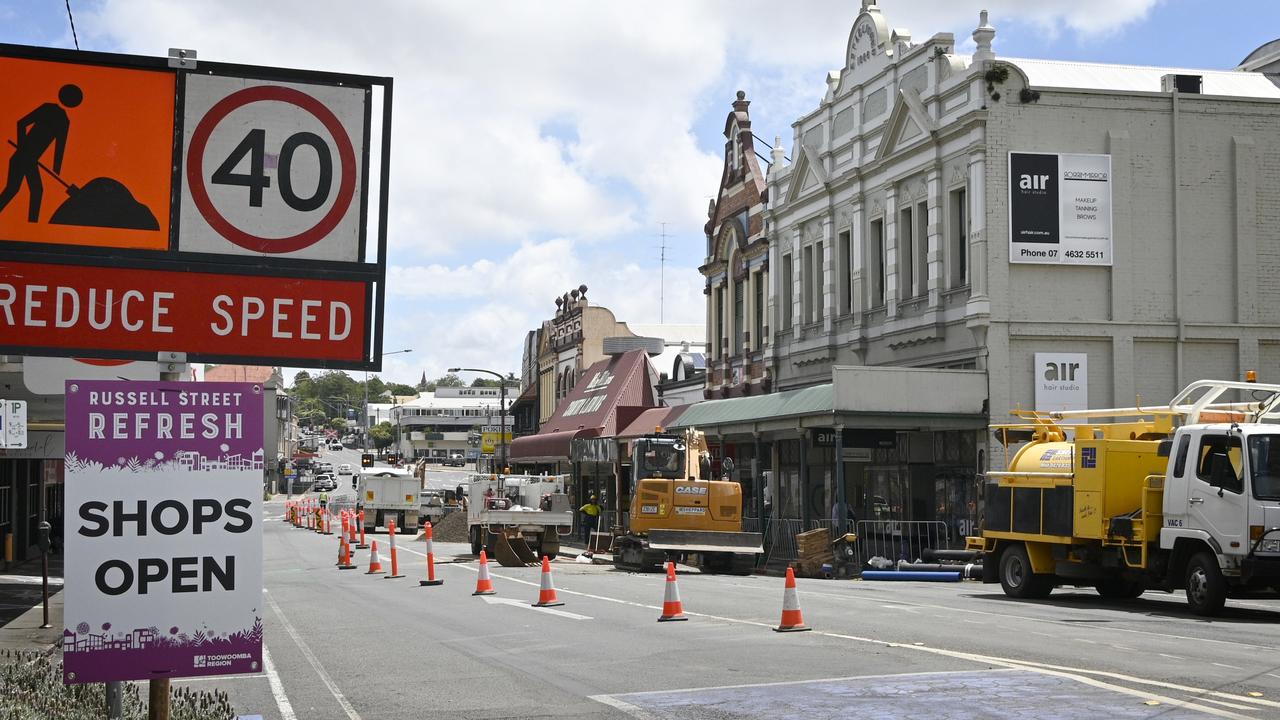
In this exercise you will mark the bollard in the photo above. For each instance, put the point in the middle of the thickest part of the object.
(362, 544)
(395, 562)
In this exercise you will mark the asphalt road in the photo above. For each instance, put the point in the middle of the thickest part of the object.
(347, 646)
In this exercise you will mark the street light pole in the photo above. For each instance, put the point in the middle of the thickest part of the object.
(502, 411)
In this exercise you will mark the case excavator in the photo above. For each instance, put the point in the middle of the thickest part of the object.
(678, 511)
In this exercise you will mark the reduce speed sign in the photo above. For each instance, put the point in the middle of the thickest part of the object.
(273, 168)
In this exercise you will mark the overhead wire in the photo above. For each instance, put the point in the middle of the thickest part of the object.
(71, 18)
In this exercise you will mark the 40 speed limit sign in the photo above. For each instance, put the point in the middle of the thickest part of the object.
(273, 168)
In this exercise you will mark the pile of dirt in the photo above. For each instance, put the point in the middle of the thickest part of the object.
(451, 528)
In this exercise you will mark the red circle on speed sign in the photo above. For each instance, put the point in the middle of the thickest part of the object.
(200, 194)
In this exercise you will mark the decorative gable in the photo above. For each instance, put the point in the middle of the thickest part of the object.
(908, 123)
(807, 173)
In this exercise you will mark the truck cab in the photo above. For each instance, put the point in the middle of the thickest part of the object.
(1222, 496)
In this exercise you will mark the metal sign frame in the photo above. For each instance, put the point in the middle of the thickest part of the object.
(371, 274)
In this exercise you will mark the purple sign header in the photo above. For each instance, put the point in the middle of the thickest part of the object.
(115, 423)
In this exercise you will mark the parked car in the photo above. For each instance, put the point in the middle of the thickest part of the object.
(456, 460)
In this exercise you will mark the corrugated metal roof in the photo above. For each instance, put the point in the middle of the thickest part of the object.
(1138, 78)
(805, 401)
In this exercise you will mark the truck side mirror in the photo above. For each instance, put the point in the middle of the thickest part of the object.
(726, 466)
(704, 467)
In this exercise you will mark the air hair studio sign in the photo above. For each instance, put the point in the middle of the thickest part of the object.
(1060, 208)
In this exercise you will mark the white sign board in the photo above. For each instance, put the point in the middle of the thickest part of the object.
(1060, 208)
(13, 424)
(1062, 381)
(273, 168)
(163, 529)
(48, 375)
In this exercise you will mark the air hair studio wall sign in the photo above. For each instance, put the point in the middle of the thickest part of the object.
(1060, 208)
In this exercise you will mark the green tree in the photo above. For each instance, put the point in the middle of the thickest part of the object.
(310, 412)
(448, 380)
(337, 424)
(484, 382)
(400, 389)
(336, 383)
(303, 386)
(380, 435)
(377, 390)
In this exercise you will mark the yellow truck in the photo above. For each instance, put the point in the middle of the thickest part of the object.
(677, 510)
(1178, 497)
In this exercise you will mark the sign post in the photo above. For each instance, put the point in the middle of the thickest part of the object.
(163, 534)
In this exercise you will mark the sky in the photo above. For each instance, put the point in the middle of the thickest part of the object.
(539, 146)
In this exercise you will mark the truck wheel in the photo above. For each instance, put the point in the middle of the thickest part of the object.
(1017, 578)
(476, 545)
(1120, 588)
(1206, 590)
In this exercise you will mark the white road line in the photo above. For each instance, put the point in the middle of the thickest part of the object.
(1008, 616)
(1273, 675)
(624, 706)
(1123, 648)
(1084, 641)
(314, 661)
(1233, 667)
(1171, 657)
(277, 687)
(550, 611)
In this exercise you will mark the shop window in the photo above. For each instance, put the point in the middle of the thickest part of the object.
(757, 335)
(739, 317)
(807, 286)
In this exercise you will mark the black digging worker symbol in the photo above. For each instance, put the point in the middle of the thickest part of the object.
(102, 202)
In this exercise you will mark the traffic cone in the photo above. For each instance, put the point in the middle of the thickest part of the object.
(547, 591)
(672, 608)
(431, 559)
(351, 527)
(395, 558)
(346, 563)
(484, 584)
(362, 545)
(792, 621)
(342, 536)
(375, 562)
(340, 555)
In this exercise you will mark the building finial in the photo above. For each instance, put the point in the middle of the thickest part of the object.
(777, 155)
(982, 36)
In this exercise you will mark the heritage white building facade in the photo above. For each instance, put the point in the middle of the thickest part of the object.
(1083, 233)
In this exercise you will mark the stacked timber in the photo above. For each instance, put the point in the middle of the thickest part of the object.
(813, 550)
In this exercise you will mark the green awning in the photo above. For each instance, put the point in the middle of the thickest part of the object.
(759, 408)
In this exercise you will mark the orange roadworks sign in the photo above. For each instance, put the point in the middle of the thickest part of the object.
(86, 154)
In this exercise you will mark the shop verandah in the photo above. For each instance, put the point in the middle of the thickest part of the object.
(910, 443)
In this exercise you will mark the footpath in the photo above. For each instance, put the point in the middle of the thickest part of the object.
(22, 611)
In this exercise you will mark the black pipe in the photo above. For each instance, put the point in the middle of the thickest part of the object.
(930, 554)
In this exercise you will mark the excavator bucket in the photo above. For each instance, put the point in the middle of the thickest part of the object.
(513, 552)
(706, 541)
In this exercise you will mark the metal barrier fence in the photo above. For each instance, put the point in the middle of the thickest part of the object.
(901, 540)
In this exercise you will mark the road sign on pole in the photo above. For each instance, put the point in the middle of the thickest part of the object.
(163, 530)
(149, 200)
(13, 424)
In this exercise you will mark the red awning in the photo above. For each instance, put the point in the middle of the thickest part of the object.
(548, 447)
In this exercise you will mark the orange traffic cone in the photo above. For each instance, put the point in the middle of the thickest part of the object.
(672, 608)
(375, 562)
(792, 621)
(484, 584)
(340, 555)
(547, 591)
(395, 559)
(360, 519)
(345, 563)
(431, 559)
(351, 527)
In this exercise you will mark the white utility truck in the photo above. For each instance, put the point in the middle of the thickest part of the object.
(518, 518)
(1183, 496)
(388, 494)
